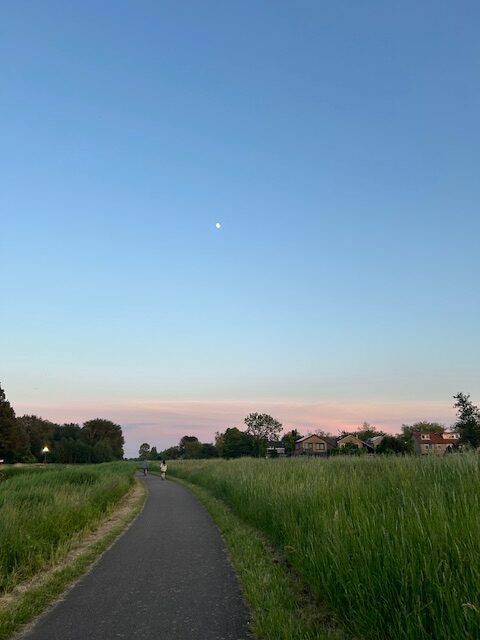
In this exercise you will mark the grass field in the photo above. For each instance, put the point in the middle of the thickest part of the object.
(44, 511)
(390, 545)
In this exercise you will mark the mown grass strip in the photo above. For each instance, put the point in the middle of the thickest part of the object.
(282, 606)
(29, 599)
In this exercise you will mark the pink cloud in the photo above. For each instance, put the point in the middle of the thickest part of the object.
(163, 423)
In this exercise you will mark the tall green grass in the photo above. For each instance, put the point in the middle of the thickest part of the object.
(43, 511)
(392, 545)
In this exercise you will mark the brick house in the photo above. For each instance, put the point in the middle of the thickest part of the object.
(437, 443)
(313, 445)
(353, 442)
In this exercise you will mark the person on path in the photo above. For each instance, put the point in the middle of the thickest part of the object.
(144, 467)
(163, 469)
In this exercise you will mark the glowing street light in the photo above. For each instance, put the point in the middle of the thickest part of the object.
(45, 450)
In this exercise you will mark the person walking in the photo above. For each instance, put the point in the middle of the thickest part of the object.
(163, 469)
(144, 467)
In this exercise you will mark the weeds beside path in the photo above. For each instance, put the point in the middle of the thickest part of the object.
(91, 506)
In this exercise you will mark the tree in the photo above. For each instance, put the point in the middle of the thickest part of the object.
(13, 437)
(219, 442)
(208, 450)
(367, 431)
(40, 434)
(468, 420)
(144, 451)
(153, 453)
(392, 444)
(189, 447)
(262, 428)
(236, 443)
(172, 453)
(94, 431)
(102, 451)
(289, 439)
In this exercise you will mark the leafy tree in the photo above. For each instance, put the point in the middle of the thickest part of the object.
(236, 444)
(468, 420)
(208, 451)
(189, 447)
(289, 439)
(367, 431)
(153, 453)
(94, 431)
(40, 434)
(193, 450)
(102, 451)
(70, 430)
(262, 428)
(172, 453)
(392, 444)
(13, 437)
(144, 451)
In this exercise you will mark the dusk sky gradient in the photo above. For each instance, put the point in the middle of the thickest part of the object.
(338, 143)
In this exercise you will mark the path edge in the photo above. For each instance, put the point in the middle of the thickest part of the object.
(26, 605)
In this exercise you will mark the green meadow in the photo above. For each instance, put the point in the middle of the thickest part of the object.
(391, 545)
(44, 511)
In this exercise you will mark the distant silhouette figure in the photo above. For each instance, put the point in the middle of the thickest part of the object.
(163, 469)
(144, 467)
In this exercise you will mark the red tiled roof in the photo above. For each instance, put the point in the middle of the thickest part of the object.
(434, 438)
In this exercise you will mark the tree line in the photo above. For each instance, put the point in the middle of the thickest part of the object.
(262, 428)
(25, 438)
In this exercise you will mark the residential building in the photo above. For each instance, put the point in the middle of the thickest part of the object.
(275, 449)
(437, 443)
(353, 442)
(313, 445)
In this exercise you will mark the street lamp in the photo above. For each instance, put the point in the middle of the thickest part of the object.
(45, 450)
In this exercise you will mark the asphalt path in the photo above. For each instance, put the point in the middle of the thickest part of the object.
(168, 578)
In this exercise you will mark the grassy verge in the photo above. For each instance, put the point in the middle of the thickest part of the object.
(33, 586)
(282, 606)
(390, 545)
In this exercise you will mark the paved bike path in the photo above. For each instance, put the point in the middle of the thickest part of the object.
(168, 578)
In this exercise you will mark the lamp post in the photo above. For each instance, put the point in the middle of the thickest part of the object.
(45, 450)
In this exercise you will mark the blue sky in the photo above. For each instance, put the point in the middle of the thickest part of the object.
(338, 145)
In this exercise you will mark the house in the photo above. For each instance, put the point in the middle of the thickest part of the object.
(351, 441)
(313, 445)
(437, 443)
(375, 441)
(275, 449)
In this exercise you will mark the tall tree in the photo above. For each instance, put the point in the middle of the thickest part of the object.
(13, 437)
(94, 431)
(189, 447)
(236, 443)
(40, 432)
(262, 428)
(144, 451)
(468, 420)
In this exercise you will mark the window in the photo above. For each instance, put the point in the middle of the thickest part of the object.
(321, 446)
(309, 445)
(425, 436)
(317, 446)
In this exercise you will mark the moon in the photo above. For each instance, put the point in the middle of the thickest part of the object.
(218, 225)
